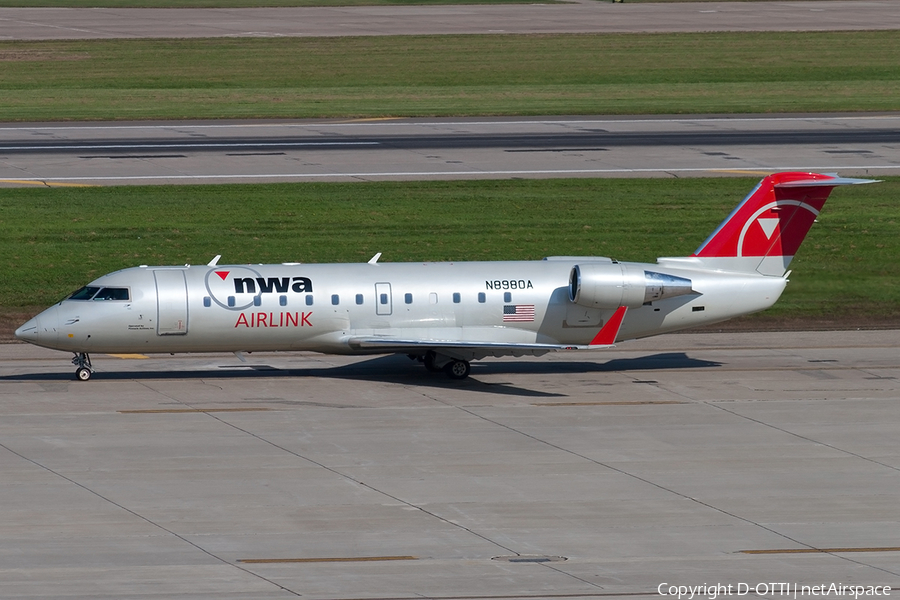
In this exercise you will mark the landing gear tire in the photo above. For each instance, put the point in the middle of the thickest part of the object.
(457, 369)
(84, 371)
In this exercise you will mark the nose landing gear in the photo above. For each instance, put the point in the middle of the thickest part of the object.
(83, 361)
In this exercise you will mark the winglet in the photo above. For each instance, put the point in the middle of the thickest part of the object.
(607, 334)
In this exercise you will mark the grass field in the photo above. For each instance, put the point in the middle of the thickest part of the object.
(450, 75)
(56, 240)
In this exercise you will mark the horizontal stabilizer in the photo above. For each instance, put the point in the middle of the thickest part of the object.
(831, 182)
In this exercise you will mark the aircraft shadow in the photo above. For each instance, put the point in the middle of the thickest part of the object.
(400, 370)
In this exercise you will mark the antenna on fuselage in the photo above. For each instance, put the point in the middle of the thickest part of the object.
(214, 261)
(374, 259)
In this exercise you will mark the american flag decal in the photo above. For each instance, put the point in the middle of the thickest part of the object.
(518, 312)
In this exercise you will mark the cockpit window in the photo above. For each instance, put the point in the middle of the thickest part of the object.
(85, 293)
(112, 294)
(96, 293)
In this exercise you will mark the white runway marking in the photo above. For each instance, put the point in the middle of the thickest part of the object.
(186, 145)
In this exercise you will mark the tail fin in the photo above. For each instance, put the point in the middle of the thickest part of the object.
(765, 230)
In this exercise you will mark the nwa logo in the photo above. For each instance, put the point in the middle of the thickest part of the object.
(780, 228)
(238, 288)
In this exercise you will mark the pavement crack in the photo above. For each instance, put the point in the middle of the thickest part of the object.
(825, 445)
(352, 479)
(662, 487)
(146, 519)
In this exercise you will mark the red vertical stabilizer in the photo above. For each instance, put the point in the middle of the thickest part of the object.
(765, 230)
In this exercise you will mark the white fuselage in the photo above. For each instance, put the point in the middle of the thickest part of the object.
(325, 307)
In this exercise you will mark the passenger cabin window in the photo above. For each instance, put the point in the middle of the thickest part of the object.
(257, 300)
(85, 293)
(309, 300)
(207, 301)
(282, 300)
(407, 298)
(507, 296)
(481, 297)
(335, 299)
(359, 298)
(112, 294)
(456, 298)
(432, 298)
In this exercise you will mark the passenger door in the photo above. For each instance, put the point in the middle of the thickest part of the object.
(171, 302)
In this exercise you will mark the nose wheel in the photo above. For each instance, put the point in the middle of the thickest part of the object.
(83, 361)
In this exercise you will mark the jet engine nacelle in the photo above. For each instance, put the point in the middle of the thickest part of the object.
(611, 285)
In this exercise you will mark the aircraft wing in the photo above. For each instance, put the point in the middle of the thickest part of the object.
(467, 350)
(475, 342)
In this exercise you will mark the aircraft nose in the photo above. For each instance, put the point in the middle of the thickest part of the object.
(28, 332)
(42, 330)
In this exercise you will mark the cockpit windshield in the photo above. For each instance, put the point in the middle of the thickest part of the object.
(85, 293)
(112, 294)
(96, 293)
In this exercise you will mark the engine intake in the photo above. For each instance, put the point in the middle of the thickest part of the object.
(611, 285)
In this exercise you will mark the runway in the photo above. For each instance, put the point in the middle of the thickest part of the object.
(489, 148)
(685, 459)
(573, 17)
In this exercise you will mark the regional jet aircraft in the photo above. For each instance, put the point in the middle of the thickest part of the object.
(443, 314)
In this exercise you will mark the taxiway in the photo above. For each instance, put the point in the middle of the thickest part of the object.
(681, 460)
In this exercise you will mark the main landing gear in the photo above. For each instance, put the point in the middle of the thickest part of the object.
(457, 369)
(434, 363)
(83, 361)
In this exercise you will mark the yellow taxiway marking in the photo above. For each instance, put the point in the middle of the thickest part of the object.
(163, 411)
(45, 183)
(128, 356)
(259, 561)
(817, 550)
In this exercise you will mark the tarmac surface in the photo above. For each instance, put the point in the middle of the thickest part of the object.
(695, 459)
(576, 17)
(863, 145)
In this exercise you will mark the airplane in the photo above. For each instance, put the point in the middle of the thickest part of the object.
(444, 314)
